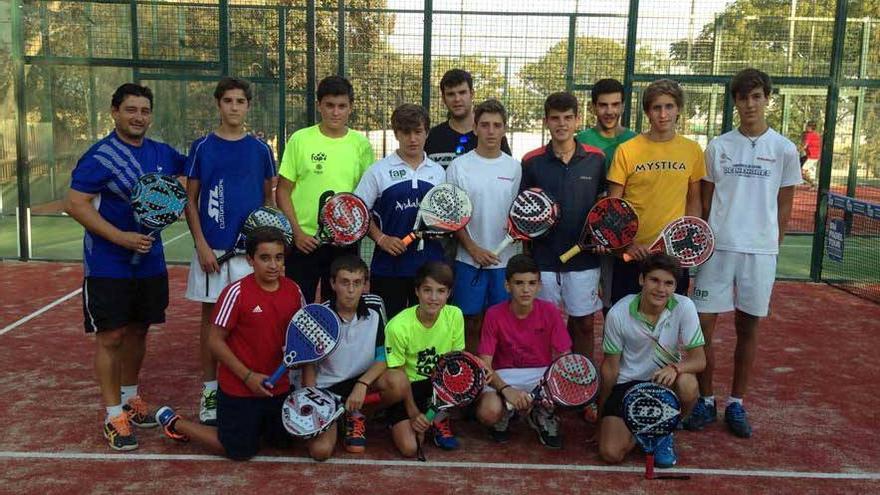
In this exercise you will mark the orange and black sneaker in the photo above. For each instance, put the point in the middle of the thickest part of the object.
(139, 414)
(166, 417)
(117, 431)
(591, 413)
(355, 433)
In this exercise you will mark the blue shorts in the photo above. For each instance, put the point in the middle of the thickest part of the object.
(476, 289)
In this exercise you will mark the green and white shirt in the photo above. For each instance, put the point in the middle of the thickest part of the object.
(646, 348)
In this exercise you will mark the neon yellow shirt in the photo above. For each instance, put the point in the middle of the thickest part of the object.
(316, 163)
(655, 177)
(410, 344)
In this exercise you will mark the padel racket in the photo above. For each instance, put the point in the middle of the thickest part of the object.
(611, 223)
(264, 216)
(532, 214)
(312, 335)
(651, 412)
(342, 220)
(689, 239)
(157, 201)
(445, 209)
(571, 380)
(310, 411)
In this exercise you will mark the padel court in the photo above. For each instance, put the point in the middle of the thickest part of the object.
(812, 404)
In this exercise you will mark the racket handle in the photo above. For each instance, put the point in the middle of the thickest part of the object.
(649, 466)
(506, 242)
(272, 380)
(412, 236)
(372, 398)
(228, 255)
(431, 414)
(571, 253)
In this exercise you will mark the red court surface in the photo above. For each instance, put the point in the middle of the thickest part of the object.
(813, 405)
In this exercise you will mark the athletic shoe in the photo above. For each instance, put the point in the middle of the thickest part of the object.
(208, 408)
(117, 431)
(664, 452)
(139, 414)
(355, 428)
(591, 413)
(166, 417)
(547, 425)
(443, 436)
(500, 431)
(702, 416)
(737, 420)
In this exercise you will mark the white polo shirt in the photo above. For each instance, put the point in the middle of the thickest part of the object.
(361, 343)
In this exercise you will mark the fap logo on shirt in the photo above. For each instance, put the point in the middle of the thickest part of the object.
(318, 160)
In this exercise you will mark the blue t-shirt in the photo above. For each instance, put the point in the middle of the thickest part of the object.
(110, 169)
(393, 191)
(231, 175)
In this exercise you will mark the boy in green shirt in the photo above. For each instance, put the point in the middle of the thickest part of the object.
(606, 104)
(414, 341)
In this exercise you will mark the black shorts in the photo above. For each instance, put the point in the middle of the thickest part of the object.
(614, 405)
(343, 388)
(243, 421)
(422, 392)
(398, 293)
(111, 303)
(625, 280)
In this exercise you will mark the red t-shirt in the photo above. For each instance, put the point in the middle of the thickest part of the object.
(527, 343)
(812, 143)
(257, 323)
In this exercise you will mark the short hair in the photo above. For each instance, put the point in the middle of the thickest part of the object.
(561, 102)
(350, 263)
(605, 87)
(229, 83)
(662, 87)
(661, 261)
(520, 263)
(490, 106)
(335, 86)
(811, 124)
(440, 271)
(454, 77)
(263, 235)
(408, 117)
(747, 80)
(130, 89)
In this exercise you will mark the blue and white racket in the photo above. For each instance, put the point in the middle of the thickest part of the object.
(651, 412)
(312, 335)
(157, 201)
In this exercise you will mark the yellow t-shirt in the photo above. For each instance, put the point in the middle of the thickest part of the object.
(316, 163)
(409, 344)
(655, 177)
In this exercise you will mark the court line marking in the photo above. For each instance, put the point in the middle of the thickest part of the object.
(62, 299)
(758, 473)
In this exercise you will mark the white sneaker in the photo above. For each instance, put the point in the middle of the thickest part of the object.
(208, 408)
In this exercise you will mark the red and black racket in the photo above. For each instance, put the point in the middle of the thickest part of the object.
(611, 222)
(571, 380)
(689, 239)
(343, 219)
(532, 215)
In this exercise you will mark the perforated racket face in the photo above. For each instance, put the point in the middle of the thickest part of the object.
(612, 223)
(345, 218)
(690, 239)
(266, 216)
(312, 334)
(157, 201)
(309, 411)
(445, 208)
(572, 380)
(458, 378)
(651, 410)
(533, 213)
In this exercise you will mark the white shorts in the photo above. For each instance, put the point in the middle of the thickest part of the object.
(525, 379)
(577, 292)
(735, 280)
(206, 288)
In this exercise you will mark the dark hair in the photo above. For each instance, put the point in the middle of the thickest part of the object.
(228, 83)
(662, 87)
(262, 235)
(746, 80)
(661, 261)
(605, 87)
(440, 271)
(520, 263)
(811, 125)
(454, 77)
(130, 89)
(409, 117)
(335, 86)
(561, 102)
(490, 106)
(350, 263)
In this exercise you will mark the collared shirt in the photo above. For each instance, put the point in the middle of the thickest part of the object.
(361, 343)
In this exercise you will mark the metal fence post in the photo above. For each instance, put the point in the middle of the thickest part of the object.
(426, 53)
(629, 65)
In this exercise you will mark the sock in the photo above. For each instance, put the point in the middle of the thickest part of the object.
(708, 400)
(128, 391)
(113, 411)
(210, 386)
(732, 399)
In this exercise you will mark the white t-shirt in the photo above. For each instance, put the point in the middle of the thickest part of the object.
(747, 180)
(361, 343)
(492, 184)
(646, 348)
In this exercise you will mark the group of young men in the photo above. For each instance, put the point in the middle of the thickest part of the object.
(517, 309)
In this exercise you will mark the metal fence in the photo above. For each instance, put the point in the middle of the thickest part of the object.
(60, 60)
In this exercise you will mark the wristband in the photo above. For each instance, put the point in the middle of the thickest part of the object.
(500, 390)
(380, 239)
(676, 368)
(248, 375)
(365, 384)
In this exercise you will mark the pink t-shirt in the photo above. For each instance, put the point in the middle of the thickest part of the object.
(528, 343)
